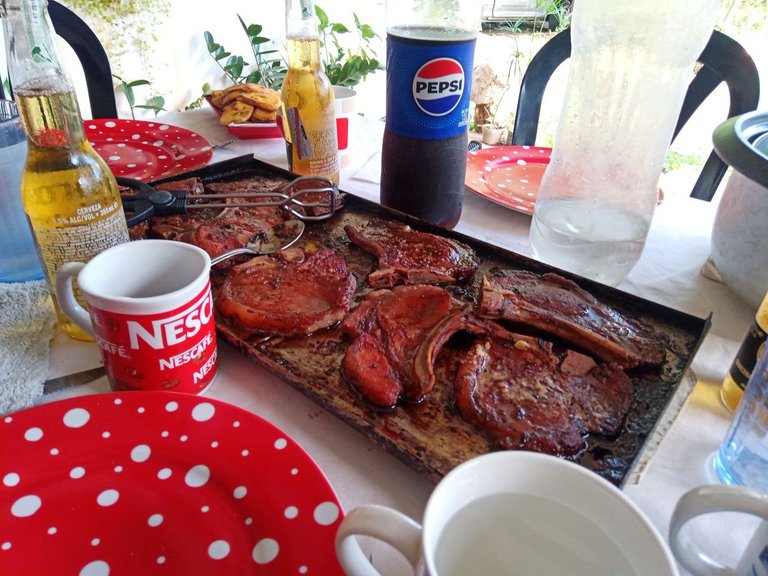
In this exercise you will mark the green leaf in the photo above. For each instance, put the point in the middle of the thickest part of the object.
(220, 54)
(209, 42)
(138, 83)
(366, 31)
(339, 28)
(234, 66)
(155, 103)
(128, 92)
(322, 17)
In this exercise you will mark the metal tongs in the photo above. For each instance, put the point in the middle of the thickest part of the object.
(308, 198)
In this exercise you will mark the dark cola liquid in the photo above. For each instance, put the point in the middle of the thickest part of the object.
(424, 153)
(424, 178)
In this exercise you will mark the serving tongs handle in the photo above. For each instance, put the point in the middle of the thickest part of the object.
(144, 201)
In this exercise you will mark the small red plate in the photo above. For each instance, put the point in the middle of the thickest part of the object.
(508, 175)
(146, 150)
(159, 483)
(252, 131)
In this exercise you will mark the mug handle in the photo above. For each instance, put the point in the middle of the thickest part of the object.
(380, 522)
(706, 500)
(65, 296)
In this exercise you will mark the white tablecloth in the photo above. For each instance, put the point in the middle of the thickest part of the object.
(668, 273)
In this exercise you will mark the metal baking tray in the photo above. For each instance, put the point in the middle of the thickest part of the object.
(432, 437)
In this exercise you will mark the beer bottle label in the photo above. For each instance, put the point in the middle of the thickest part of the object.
(751, 349)
(428, 86)
(298, 134)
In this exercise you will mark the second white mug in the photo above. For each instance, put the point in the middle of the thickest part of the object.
(525, 511)
(720, 498)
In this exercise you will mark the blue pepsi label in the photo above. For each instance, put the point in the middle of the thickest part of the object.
(428, 87)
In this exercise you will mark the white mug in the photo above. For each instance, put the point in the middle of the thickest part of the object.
(151, 311)
(533, 513)
(720, 498)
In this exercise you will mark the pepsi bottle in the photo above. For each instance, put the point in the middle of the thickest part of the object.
(430, 49)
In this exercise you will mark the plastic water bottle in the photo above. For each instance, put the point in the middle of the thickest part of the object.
(743, 455)
(631, 61)
(19, 261)
(430, 51)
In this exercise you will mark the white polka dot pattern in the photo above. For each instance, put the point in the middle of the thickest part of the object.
(114, 482)
(146, 150)
(508, 175)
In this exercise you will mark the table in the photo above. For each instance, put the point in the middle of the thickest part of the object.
(360, 472)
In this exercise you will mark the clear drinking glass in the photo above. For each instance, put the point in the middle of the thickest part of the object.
(743, 455)
(18, 258)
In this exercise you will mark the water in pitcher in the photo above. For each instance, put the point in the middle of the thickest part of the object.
(630, 65)
(565, 231)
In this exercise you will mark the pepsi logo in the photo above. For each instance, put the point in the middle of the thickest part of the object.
(438, 86)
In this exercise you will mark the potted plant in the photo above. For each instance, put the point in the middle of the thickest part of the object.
(344, 66)
(487, 94)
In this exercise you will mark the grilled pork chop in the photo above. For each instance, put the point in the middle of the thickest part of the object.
(557, 306)
(387, 329)
(216, 230)
(406, 256)
(528, 397)
(290, 293)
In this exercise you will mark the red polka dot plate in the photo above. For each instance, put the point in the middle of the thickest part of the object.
(159, 483)
(508, 175)
(146, 150)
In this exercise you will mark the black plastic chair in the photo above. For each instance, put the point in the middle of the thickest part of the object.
(93, 58)
(723, 60)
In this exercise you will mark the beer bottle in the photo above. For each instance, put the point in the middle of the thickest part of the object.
(69, 194)
(309, 120)
(751, 348)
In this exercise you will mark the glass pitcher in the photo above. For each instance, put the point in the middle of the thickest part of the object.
(631, 62)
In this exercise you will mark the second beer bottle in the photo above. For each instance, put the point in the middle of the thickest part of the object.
(309, 120)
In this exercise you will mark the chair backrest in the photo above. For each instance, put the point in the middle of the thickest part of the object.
(92, 56)
(723, 60)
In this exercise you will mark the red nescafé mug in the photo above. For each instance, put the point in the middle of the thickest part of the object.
(151, 311)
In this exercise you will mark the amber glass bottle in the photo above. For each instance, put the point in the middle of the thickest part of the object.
(309, 119)
(751, 348)
(69, 194)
